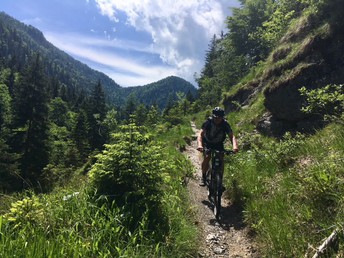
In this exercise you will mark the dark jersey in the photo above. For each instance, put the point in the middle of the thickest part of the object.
(215, 134)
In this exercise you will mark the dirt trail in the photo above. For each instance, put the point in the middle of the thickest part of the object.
(227, 238)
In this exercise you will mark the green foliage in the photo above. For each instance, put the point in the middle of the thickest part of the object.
(157, 94)
(26, 211)
(80, 135)
(130, 171)
(210, 91)
(244, 23)
(129, 163)
(296, 182)
(275, 27)
(5, 108)
(20, 43)
(8, 166)
(96, 116)
(283, 152)
(58, 111)
(153, 117)
(68, 222)
(31, 117)
(327, 101)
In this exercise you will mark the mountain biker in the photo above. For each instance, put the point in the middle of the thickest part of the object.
(212, 136)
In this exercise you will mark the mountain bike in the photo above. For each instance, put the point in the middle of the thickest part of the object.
(214, 177)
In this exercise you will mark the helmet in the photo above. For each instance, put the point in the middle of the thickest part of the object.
(218, 112)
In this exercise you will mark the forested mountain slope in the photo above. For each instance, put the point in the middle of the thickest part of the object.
(163, 92)
(20, 43)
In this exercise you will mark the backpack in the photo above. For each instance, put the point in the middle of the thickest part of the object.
(215, 134)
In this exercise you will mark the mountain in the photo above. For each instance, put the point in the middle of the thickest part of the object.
(20, 43)
(161, 92)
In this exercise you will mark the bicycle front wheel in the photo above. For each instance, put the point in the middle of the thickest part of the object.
(217, 195)
(209, 182)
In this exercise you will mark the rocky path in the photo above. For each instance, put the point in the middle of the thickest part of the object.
(228, 237)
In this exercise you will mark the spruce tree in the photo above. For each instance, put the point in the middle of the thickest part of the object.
(96, 117)
(8, 166)
(31, 122)
(80, 136)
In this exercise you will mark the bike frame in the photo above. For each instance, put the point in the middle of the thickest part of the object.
(214, 179)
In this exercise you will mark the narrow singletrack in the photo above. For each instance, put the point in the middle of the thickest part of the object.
(228, 237)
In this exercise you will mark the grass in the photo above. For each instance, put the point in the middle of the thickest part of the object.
(291, 189)
(68, 222)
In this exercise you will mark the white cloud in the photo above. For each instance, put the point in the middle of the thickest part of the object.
(180, 29)
(125, 71)
(34, 21)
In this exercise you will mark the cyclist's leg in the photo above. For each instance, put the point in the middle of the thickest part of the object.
(205, 167)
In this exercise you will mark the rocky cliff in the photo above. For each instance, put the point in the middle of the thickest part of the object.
(311, 54)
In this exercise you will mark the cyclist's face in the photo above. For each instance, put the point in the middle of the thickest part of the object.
(218, 119)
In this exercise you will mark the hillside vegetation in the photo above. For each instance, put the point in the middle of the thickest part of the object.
(81, 178)
(291, 186)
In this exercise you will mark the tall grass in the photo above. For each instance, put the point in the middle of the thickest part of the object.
(69, 222)
(292, 189)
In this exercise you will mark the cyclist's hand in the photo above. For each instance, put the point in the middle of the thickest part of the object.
(235, 150)
(200, 148)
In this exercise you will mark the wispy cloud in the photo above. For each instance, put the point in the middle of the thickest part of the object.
(125, 70)
(180, 29)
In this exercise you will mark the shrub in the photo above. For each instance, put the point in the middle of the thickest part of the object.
(129, 172)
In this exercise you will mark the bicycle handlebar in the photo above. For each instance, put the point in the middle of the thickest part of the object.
(227, 152)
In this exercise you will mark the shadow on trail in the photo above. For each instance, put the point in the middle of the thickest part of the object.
(231, 216)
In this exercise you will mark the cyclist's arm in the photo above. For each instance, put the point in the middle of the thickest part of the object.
(234, 142)
(200, 140)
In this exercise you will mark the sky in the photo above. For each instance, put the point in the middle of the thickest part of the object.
(134, 42)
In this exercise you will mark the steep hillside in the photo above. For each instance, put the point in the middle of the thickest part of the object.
(19, 43)
(161, 92)
(310, 54)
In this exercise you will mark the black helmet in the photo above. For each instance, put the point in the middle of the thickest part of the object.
(218, 112)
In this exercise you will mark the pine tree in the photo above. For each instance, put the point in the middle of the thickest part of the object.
(97, 115)
(8, 166)
(130, 106)
(80, 136)
(31, 121)
(208, 69)
(140, 115)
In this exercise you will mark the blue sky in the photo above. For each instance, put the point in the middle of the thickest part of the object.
(134, 42)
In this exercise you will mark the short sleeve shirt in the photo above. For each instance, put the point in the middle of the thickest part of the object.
(215, 134)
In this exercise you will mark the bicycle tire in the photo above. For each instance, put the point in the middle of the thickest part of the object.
(217, 193)
(210, 183)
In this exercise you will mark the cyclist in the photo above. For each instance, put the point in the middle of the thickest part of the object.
(212, 136)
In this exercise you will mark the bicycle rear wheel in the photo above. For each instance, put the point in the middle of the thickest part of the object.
(217, 193)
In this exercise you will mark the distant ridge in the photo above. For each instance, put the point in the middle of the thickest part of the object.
(162, 91)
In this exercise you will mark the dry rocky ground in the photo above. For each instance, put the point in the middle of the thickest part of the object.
(228, 237)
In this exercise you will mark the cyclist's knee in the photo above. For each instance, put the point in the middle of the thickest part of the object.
(206, 158)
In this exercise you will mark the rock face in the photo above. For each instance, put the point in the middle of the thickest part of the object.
(311, 54)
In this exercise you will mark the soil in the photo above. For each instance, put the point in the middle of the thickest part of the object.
(226, 237)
